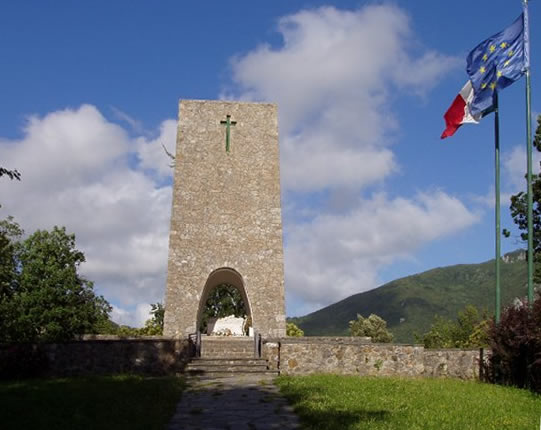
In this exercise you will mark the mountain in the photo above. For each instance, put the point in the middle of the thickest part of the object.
(409, 304)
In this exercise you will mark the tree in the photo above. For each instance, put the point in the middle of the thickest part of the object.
(515, 343)
(373, 326)
(468, 331)
(47, 299)
(154, 326)
(519, 211)
(293, 330)
(223, 301)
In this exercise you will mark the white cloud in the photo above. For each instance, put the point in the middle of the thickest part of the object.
(333, 79)
(78, 171)
(134, 318)
(336, 255)
(514, 166)
(151, 152)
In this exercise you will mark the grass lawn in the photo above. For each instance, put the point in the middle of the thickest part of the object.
(113, 402)
(350, 402)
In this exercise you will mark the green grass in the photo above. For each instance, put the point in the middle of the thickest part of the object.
(113, 402)
(349, 402)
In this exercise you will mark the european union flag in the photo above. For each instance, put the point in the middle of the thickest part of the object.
(496, 63)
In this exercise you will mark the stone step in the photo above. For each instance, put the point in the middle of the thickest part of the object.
(222, 368)
(215, 374)
(229, 361)
(230, 352)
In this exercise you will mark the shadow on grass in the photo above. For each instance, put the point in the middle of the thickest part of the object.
(120, 402)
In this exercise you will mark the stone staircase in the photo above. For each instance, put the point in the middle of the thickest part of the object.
(226, 357)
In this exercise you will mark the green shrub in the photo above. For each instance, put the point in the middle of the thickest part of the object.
(470, 330)
(516, 347)
(373, 326)
(293, 330)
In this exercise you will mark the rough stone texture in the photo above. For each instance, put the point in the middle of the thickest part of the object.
(454, 363)
(156, 355)
(226, 223)
(293, 356)
(106, 355)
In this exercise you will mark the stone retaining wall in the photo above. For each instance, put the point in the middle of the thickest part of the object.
(97, 355)
(156, 355)
(294, 356)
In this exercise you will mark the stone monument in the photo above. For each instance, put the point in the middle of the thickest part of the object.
(226, 222)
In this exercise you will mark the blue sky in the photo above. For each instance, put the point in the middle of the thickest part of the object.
(90, 91)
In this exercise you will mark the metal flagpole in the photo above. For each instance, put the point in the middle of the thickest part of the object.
(529, 150)
(497, 202)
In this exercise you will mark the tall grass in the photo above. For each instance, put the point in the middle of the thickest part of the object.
(349, 402)
(114, 402)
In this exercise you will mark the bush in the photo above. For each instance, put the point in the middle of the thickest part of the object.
(470, 330)
(293, 330)
(516, 347)
(373, 326)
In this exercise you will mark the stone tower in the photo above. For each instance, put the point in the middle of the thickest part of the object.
(226, 222)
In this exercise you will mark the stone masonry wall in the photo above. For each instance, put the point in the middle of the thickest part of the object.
(226, 213)
(296, 356)
(101, 355)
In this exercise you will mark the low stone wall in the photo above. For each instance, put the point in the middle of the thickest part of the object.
(97, 355)
(352, 356)
(157, 355)
(454, 363)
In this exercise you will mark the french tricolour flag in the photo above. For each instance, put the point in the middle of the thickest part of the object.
(459, 112)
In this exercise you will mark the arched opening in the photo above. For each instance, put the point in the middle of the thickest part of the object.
(224, 295)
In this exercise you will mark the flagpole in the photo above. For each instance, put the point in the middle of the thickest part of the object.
(528, 150)
(497, 202)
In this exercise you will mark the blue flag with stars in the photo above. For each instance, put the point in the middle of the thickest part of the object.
(496, 63)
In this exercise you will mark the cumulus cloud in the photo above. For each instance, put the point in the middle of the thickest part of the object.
(514, 166)
(80, 170)
(335, 77)
(336, 255)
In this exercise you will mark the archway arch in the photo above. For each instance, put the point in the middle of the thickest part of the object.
(223, 276)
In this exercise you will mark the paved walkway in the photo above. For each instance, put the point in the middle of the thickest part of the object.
(238, 403)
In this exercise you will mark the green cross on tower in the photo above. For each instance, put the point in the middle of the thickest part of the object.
(228, 123)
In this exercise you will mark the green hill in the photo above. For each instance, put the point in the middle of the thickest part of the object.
(409, 304)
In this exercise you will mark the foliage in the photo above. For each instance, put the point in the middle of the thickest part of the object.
(351, 402)
(154, 326)
(516, 346)
(409, 304)
(10, 234)
(468, 331)
(111, 402)
(11, 174)
(293, 330)
(42, 296)
(224, 300)
(519, 210)
(373, 326)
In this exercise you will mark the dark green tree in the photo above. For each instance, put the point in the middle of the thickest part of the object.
(47, 299)
(223, 301)
(470, 330)
(154, 325)
(519, 211)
